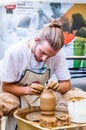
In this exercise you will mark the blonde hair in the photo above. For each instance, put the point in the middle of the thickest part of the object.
(53, 34)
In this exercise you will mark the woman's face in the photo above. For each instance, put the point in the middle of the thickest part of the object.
(43, 51)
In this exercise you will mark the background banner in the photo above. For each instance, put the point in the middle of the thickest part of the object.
(22, 20)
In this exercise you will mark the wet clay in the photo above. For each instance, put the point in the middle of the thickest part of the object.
(47, 102)
(47, 116)
(48, 121)
(47, 107)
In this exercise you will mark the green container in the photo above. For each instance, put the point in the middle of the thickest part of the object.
(79, 50)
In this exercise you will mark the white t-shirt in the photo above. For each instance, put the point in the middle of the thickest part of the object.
(16, 60)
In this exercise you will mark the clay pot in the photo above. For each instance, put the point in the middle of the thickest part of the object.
(47, 102)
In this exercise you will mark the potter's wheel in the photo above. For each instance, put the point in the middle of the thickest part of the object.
(34, 116)
(49, 121)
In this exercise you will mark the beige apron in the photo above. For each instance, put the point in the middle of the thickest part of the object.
(27, 79)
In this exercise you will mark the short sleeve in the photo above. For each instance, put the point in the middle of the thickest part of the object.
(60, 67)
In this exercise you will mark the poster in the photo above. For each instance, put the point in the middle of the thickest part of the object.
(23, 20)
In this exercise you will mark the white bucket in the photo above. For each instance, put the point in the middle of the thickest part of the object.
(77, 111)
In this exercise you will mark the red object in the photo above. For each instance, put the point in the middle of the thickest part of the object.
(68, 37)
(10, 6)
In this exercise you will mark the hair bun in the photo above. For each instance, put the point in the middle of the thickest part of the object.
(54, 23)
